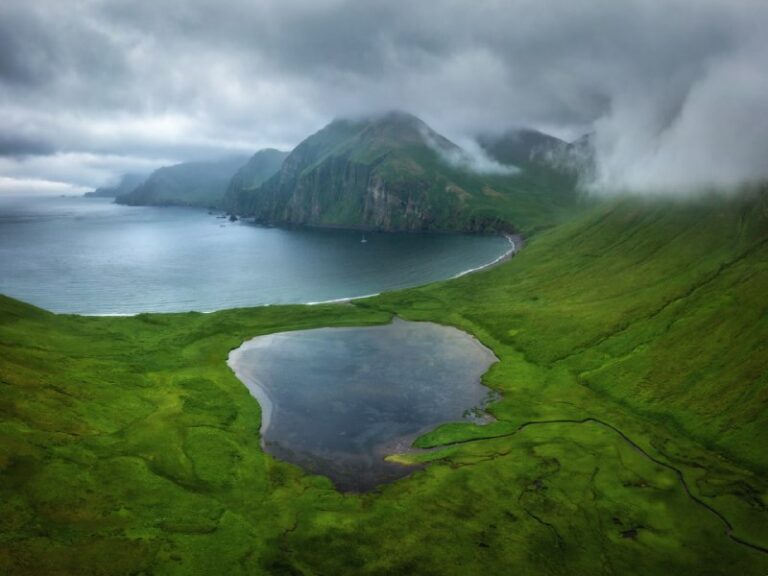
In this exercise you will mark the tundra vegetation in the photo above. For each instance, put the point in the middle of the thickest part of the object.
(629, 437)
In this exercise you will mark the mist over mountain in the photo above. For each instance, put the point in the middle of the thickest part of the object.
(519, 147)
(394, 172)
(673, 90)
(187, 184)
(128, 183)
(456, 288)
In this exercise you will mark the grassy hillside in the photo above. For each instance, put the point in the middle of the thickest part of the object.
(395, 173)
(634, 373)
(658, 305)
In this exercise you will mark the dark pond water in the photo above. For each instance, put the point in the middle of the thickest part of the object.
(336, 401)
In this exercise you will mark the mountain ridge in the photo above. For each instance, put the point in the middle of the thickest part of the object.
(519, 146)
(389, 172)
(260, 167)
(200, 183)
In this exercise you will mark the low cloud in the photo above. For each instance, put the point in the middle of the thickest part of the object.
(33, 186)
(79, 170)
(19, 146)
(675, 91)
(469, 156)
(717, 135)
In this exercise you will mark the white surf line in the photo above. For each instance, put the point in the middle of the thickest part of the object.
(512, 250)
(131, 314)
(107, 315)
(513, 246)
(340, 300)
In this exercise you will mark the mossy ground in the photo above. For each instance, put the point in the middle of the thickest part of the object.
(632, 344)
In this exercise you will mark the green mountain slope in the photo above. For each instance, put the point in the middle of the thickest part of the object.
(187, 184)
(628, 439)
(393, 172)
(128, 183)
(262, 166)
(660, 305)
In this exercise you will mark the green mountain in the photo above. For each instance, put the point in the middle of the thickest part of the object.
(520, 147)
(262, 166)
(629, 429)
(187, 184)
(393, 172)
(128, 183)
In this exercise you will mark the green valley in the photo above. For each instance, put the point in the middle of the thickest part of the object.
(383, 288)
(628, 438)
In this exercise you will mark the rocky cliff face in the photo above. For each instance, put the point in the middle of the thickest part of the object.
(384, 173)
(395, 173)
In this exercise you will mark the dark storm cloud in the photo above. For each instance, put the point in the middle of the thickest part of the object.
(19, 146)
(675, 90)
(21, 52)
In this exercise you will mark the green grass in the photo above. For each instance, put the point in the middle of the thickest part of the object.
(632, 344)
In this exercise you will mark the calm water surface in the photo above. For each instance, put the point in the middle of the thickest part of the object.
(88, 255)
(337, 400)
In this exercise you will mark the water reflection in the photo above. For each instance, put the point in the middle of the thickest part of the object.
(337, 400)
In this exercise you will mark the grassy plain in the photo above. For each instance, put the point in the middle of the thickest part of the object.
(630, 436)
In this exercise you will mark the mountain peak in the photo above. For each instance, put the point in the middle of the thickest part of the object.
(385, 117)
(399, 118)
(397, 128)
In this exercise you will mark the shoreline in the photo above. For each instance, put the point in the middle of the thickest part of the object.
(515, 245)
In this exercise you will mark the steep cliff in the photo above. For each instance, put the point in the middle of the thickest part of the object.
(391, 172)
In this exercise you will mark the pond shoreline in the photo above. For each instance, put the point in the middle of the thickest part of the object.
(337, 401)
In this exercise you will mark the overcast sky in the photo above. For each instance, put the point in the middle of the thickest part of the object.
(675, 90)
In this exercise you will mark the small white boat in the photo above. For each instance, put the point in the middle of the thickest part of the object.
(363, 240)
